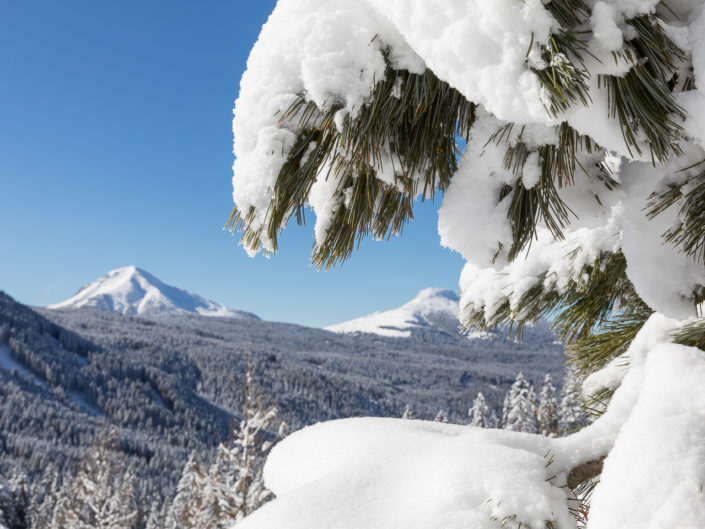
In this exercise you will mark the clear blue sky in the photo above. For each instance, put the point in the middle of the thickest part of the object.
(116, 149)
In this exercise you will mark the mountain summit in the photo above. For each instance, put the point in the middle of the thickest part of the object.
(432, 307)
(131, 290)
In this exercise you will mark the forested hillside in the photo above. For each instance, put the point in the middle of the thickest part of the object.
(176, 385)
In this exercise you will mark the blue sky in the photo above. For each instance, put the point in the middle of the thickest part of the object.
(116, 149)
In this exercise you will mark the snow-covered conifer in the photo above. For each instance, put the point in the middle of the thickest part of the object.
(43, 502)
(154, 519)
(101, 494)
(6, 504)
(519, 410)
(547, 412)
(480, 414)
(185, 509)
(233, 487)
(251, 446)
(571, 415)
(440, 416)
(407, 413)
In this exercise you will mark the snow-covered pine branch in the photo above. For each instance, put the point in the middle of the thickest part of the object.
(579, 196)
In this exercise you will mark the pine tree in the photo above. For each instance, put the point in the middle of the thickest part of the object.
(551, 254)
(547, 412)
(519, 411)
(252, 446)
(154, 519)
(407, 414)
(101, 494)
(43, 504)
(6, 505)
(185, 509)
(233, 486)
(480, 414)
(440, 416)
(572, 414)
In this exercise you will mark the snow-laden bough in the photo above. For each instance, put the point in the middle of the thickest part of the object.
(578, 193)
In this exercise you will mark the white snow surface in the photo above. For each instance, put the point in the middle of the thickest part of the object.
(390, 473)
(133, 291)
(397, 323)
(375, 473)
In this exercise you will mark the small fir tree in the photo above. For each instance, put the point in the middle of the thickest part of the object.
(572, 414)
(185, 509)
(547, 413)
(441, 416)
(480, 414)
(519, 411)
(6, 504)
(251, 447)
(101, 495)
(154, 519)
(233, 486)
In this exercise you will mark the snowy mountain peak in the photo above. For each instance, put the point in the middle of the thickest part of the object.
(131, 290)
(430, 307)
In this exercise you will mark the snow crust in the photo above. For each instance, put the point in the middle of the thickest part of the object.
(397, 323)
(131, 290)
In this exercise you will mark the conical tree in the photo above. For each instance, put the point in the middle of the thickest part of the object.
(7, 506)
(571, 414)
(578, 191)
(185, 509)
(480, 414)
(154, 519)
(251, 446)
(519, 410)
(42, 502)
(101, 494)
(233, 487)
(547, 412)
(440, 416)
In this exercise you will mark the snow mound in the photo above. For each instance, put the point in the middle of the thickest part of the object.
(388, 473)
(424, 310)
(131, 290)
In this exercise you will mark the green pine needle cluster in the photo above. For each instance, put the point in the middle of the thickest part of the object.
(410, 121)
(565, 78)
(541, 203)
(689, 195)
(642, 99)
(597, 313)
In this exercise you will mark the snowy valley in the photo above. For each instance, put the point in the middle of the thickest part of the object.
(171, 378)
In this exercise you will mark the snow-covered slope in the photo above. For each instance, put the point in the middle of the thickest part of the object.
(430, 307)
(131, 290)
